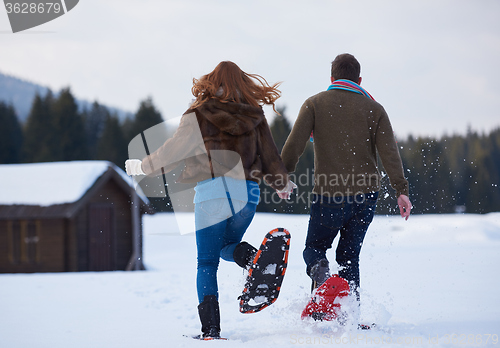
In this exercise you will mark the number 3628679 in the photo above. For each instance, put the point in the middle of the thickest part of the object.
(26, 7)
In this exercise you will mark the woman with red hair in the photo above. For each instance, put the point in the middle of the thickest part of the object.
(238, 152)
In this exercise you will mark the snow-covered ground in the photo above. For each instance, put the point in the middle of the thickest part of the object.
(432, 281)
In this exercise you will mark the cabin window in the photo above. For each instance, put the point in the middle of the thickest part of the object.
(24, 237)
(16, 242)
(31, 241)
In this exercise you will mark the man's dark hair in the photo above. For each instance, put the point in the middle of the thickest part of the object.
(345, 66)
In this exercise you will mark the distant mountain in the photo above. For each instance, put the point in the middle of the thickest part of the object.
(20, 93)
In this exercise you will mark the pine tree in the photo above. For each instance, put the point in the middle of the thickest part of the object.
(112, 145)
(494, 139)
(482, 177)
(68, 140)
(38, 130)
(147, 116)
(280, 128)
(456, 150)
(95, 121)
(11, 135)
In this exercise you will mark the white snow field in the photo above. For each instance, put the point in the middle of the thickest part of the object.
(431, 281)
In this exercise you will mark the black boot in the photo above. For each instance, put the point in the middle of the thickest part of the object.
(319, 272)
(244, 254)
(209, 314)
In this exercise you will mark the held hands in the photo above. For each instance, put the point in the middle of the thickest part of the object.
(286, 192)
(404, 206)
(134, 167)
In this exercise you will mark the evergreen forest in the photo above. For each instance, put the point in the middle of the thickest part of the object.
(449, 174)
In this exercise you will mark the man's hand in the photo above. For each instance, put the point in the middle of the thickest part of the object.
(285, 193)
(404, 206)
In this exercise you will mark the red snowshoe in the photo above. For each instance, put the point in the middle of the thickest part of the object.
(324, 304)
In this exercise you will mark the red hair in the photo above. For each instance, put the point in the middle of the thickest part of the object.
(228, 83)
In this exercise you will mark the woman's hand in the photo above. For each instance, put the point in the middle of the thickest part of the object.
(134, 167)
(287, 191)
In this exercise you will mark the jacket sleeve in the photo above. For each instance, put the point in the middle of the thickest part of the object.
(299, 136)
(186, 142)
(389, 155)
(273, 169)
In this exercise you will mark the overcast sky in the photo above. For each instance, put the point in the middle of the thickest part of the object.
(433, 64)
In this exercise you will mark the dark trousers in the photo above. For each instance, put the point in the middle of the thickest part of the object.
(350, 216)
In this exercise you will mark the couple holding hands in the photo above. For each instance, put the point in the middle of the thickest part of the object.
(348, 128)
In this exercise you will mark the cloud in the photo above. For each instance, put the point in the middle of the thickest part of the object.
(433, 65)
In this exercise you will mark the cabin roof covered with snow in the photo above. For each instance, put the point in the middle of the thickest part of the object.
(53, 188)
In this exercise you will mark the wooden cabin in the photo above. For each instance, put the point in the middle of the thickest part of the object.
(69, 217)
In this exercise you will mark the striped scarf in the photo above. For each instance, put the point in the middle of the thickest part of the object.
(346, 85)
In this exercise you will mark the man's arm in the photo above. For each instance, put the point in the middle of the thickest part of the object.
(391, 160)
(389, 154)
(299, 136)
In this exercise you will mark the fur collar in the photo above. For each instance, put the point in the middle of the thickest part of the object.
(232, 118)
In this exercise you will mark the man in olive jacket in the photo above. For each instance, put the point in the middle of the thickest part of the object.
(348, 128)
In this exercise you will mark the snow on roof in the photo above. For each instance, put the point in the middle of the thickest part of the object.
(50, 183)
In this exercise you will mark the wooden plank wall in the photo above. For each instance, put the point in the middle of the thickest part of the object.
(112, 194)
(32, 246)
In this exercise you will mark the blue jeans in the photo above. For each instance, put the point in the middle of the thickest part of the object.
(350, 216)
(218, 240)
